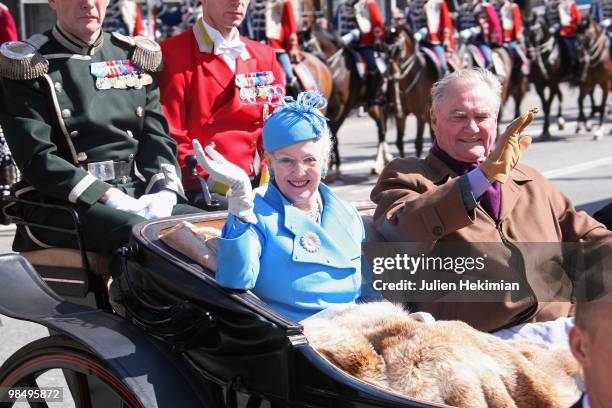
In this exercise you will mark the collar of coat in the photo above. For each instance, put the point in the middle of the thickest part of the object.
(206, 43)
(336, 230)
(74, 44)
(438, 172)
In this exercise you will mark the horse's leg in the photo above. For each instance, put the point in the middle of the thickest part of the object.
(599, 133)
(336, 153)
(418, 141)
(581, 117)
(380, 160)
(560, 118)
(400, 125)
(546, 108)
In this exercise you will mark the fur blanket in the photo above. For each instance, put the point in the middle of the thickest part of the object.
(445, 362)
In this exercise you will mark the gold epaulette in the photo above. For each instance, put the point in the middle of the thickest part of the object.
(21, 60)
(147, 53)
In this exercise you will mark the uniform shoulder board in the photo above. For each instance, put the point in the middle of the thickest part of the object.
(21, 59)
(147, 53)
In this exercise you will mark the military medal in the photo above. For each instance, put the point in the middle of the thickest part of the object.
(118, 74)
(129, 81)
(254, 86)
(310, 241)
(146, 79)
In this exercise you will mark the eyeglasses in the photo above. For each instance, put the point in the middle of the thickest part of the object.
(289, 162)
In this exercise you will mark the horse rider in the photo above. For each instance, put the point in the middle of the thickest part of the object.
(563, 18)
(123, 17)
(210, 76)
(601, 11)
(478, 24)
(360, 22)
(432, 26)
(174, 20)
(81, 114)
(8, 30)
(273, 22)
(512, 26)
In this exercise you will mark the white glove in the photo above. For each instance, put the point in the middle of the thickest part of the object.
(606, 22)
(475, 30)
(240, 200)
(419, 35)
(158, 205)
(118, 200)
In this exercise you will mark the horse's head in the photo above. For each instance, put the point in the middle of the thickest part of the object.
(588, 33)
(537, 32)
(399, 42)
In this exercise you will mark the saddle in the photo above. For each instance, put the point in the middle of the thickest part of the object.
(305, 76)
(432, 59)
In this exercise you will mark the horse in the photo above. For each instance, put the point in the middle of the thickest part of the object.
(410, 82)
(546, 69)
(349, 91)
(594, 50)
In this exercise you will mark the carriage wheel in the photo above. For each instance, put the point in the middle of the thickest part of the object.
(91, 382)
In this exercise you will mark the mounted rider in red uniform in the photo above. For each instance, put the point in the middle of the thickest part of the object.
(563, 18)
(512, 26)
(273, 22)
(431, 24)
(360, 22)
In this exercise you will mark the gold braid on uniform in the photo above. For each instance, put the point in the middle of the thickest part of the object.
(147, 54)
(20, 60)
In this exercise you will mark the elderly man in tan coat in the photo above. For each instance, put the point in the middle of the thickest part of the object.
(468, 190)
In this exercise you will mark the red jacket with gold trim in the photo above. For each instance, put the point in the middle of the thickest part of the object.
(201, 100)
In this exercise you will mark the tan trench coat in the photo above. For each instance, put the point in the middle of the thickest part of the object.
(420, 200)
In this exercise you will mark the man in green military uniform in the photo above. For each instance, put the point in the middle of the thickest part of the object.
(81, 114)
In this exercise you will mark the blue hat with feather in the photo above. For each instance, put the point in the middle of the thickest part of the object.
(295, 121)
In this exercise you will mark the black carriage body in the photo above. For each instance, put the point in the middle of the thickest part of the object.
(240, 343)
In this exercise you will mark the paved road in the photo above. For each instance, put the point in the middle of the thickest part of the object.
(581, 167)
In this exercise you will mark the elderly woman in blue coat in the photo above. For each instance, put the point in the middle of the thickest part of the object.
(293, 242)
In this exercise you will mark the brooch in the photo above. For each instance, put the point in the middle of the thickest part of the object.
(310, 241)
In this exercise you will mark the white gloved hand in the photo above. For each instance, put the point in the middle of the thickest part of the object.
(420, 35)
(118, 200)
(240, 200)
(158, 205)
(465, 34)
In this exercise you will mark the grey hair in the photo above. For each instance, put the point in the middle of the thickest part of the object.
(472, 76)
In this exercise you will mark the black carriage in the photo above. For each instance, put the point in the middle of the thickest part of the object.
(183, 341)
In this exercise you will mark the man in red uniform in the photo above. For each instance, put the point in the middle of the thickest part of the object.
(563, 18)
(211, 77)
(512, 28)
(360, 21)
(273, 22)
(8, 30)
